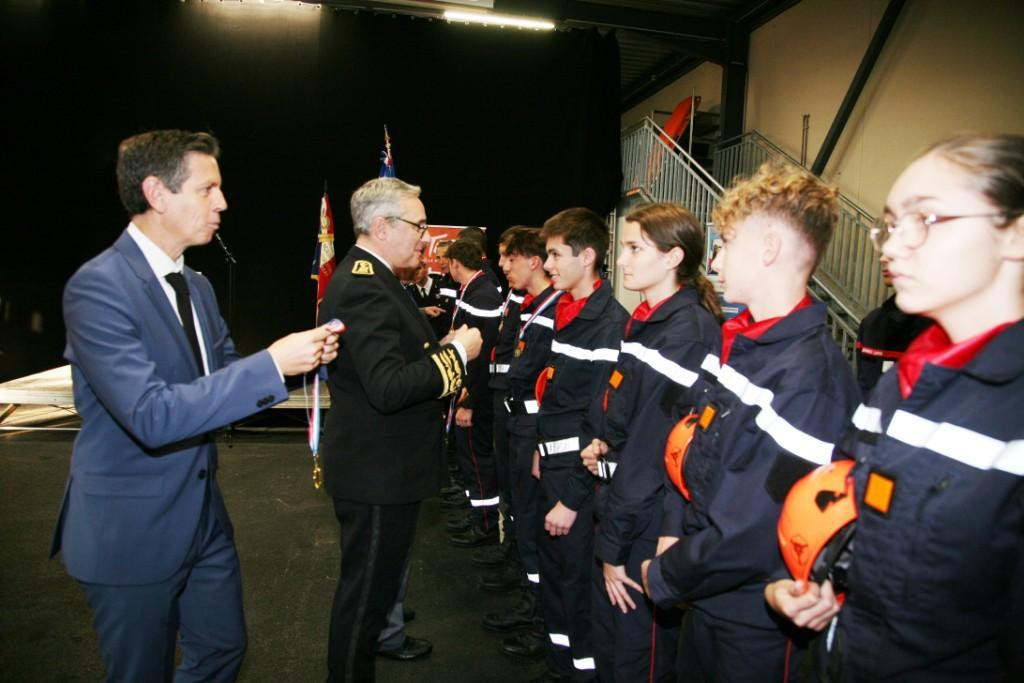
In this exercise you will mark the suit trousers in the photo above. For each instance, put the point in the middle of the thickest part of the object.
(375, 545)
(627, 646)
(566, 563)
(139, 625)
(475, 450)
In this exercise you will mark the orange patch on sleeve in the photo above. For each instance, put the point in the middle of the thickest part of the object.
(615, 380)
(707, 416)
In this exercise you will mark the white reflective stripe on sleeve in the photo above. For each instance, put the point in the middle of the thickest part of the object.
(585, 664)
(483, 502)
(867, 419)
(711, 364)
(499, 368)
(798, 443)
(444, 291)
(612, 465)
(560, 446)
(675, 372)
(579, 353)
(533, 578)
(480, 312)
(959, 443)
(559, 639)
(544, 322)
(531, 406)
(514, 297)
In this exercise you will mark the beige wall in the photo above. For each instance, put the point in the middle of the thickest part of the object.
(949, 65)
(706, 78)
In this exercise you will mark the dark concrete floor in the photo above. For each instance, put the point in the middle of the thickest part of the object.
(287, 540)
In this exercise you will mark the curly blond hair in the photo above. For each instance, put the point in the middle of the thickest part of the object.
(806, 203)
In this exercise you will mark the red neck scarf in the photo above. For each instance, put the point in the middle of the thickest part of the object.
(527, 300)
(934, 347)
(744, 324)
(644, 311)
(567, 308)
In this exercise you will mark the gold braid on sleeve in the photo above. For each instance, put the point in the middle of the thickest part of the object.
(447, 361)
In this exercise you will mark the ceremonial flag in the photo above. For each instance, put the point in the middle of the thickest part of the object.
(323, 256)
(387, 163)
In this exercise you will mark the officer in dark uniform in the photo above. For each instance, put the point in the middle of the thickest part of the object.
(381, 449)
(425, 291)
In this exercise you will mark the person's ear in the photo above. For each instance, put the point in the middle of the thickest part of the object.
(1013, 239)
(673, 257)
(154, 190)
(589, 256)
(771, 245)
(378, 228)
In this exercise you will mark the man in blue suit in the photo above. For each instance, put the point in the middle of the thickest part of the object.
(143, 527)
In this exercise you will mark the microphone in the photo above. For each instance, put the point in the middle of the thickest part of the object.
(227, 254)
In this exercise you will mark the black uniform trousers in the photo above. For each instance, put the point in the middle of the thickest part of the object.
(475, 453)
(627, 646)
(712, 650)
(375, 544)
(524, 491)
(566, 564)
(503, 464)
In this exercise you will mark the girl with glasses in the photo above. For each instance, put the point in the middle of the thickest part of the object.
(935, 587)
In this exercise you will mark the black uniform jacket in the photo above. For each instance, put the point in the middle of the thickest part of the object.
(533, 346)
(778, 405)
(656, 380)
(505, 345)
(583, 355)
(936, 587)
(883, 336)
(479, 306)
(382, 435)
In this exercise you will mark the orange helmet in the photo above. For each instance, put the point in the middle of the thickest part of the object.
(675, 451)
(817, 522)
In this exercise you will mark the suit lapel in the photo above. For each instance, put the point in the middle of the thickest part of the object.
(414, 315)
(155, 295)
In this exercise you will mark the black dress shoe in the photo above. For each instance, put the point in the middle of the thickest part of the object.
(408, 614)
(520, 615)
(411, 648)
(474, 536)
(491, 556)
(460, 523)
(504, 580)
(526, 645)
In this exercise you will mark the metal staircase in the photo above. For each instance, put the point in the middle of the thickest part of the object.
(849, 277)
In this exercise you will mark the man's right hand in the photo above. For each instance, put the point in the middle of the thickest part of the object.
(300, 352)
(591, 454)
(470, 339)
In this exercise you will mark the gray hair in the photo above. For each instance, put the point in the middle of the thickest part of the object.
(378, 197)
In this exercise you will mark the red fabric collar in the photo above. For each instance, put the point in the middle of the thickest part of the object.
(567, 308)
(934, 347)
(644, 311)
(744, 324)
(527, 300)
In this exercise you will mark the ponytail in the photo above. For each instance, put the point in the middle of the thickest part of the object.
(708, 297)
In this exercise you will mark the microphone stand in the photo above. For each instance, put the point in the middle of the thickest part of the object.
(230, 260)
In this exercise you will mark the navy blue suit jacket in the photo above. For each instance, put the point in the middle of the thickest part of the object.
(144, 457)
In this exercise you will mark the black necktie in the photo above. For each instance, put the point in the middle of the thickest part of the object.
(423, 292)
(180, 287)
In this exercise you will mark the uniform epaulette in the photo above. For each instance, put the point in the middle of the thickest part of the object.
(447, 361)
(362, 267)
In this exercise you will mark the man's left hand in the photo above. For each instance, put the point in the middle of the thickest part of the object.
(464, 417)
(559, 520)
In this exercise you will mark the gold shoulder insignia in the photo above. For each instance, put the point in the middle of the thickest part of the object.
(362, 267)
(450, 368)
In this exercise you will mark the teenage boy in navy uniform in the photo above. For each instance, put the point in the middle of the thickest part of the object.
(782, 396)
(588, 329)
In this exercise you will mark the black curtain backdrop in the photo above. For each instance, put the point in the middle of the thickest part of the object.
(499, 127)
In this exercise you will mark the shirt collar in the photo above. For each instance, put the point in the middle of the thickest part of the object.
(377, 256)
(157, 258)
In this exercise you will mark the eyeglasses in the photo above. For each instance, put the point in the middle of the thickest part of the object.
(421, 227)
(913, 227)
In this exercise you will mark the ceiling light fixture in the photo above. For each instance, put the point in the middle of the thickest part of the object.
(498, 20)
